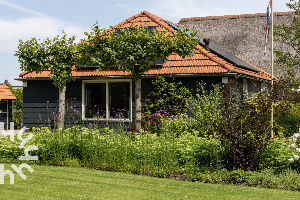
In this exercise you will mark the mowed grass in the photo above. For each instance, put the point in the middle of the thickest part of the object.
(50, 182)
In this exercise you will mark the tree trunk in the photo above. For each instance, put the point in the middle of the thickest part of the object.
(138, 104)
(62, 105)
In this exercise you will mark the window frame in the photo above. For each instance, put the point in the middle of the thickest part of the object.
(107, 97)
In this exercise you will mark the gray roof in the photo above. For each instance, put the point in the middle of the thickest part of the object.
(243, 35)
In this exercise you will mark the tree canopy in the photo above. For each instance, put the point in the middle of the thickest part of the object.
(57, 55)
(289, 36)
(134, 49)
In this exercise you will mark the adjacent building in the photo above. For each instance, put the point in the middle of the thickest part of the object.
(6, 98)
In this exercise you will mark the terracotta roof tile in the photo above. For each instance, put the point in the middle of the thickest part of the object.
(5, 92)
(203, 62)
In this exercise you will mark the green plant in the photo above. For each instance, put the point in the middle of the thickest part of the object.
(205, 106)
(276, 155)
(288, 122)
(17, 111)
(153, 123)
(180, 125)
(245, 124)
(167, 97)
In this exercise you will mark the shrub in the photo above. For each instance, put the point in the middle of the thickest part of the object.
(245, 125)
(180, 125)
(276, 155)
(168, 97)
(289, 121)
(208, 153)
(205, 108)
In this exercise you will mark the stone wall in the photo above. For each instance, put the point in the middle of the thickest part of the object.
(243, 35)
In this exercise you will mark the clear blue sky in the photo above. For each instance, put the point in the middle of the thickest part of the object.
(24, 19)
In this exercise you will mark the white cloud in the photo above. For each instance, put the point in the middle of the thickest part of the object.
(38, 27)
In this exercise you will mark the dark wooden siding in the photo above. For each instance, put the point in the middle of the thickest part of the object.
(40, 102)
(41, 98)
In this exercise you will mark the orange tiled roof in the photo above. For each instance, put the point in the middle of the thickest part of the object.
(203, 62)
(5, 92)
(236, 16)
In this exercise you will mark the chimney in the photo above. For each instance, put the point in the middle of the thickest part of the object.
(6, 83)
(206, 44)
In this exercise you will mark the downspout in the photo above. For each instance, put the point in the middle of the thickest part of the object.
(7, 115)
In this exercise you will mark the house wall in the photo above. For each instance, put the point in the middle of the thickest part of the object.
(244, 36)
(40, 102)
(37, 112)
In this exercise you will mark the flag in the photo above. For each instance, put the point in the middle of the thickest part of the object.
(268, 25)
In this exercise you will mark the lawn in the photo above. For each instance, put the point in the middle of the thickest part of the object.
(49, 182)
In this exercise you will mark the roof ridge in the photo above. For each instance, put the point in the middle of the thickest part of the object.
(155, 18)
(165, 20)
(235, 16)
(160, 21)
(124, 22)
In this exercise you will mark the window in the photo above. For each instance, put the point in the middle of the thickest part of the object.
(107, 100)
(245, 86)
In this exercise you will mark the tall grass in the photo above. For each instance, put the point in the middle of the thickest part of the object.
(118, 150)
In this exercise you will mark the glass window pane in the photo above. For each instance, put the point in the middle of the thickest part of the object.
(119, 99)
(3, 106)
(95, 100)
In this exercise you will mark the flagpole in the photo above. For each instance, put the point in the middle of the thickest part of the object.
(272, 76)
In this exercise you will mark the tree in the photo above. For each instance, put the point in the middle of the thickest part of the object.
(133, 49)
(289, 36)
(58, 56)
(17, 110)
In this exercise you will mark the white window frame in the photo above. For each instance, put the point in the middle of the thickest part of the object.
(106, 81)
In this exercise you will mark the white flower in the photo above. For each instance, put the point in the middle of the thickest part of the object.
(293, 140)
(294, 137)
(298, 149)
(291, 160)
(293, 146)
(296, 157)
